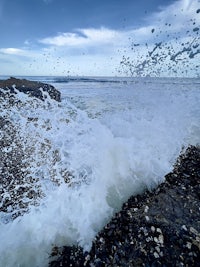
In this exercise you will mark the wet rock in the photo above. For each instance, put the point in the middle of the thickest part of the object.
(75, 257)
(32, 88)
(15, 182)
(18, 189)
(170, 236)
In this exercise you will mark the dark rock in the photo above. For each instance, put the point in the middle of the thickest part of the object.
(16, 183)
(74, 257)
(32, 88)
(158, 228)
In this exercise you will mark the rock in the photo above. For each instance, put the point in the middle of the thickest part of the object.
(32, 88)
(16, 183)
(170, 236)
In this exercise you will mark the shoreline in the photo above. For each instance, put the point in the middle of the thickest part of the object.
(157, 228)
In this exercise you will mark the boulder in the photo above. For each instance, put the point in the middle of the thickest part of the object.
(32, 88)
(16, 183)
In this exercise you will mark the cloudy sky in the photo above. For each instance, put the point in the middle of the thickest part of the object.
(100, 37)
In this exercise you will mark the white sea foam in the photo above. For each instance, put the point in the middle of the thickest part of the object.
(108, 141)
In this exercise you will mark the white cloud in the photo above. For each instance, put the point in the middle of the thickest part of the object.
(82, 37)
(102, 35)
(12, 51)
(170, 20)
(178, 14)
(98, 51)
(64, 39)
(172, 44)
(23, 54)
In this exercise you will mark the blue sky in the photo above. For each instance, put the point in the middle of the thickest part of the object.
(99, 38)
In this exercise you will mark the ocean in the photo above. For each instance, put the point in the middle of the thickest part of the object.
(108, 139)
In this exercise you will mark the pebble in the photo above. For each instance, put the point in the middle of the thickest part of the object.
(189, 245)
(156, 255)
(135, 242)
(184, 227)
(158, 230)
(146, 209)
(161, 239)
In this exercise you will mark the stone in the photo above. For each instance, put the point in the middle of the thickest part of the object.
(16, 183)
(164, 239)
(31, 88)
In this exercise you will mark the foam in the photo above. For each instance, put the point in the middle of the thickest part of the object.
(108, 144)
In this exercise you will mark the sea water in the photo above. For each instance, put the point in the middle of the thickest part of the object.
(108, 139)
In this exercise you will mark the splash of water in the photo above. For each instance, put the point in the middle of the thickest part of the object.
(85, 156)
(170, 52)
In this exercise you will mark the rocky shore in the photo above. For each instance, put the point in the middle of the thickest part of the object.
(16, 183)
(157, 228)
(31, 88)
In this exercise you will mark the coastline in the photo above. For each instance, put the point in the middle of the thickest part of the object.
(157, 228)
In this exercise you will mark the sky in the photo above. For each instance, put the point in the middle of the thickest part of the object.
(100, 37)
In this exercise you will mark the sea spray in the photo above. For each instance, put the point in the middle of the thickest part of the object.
(88, 154)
